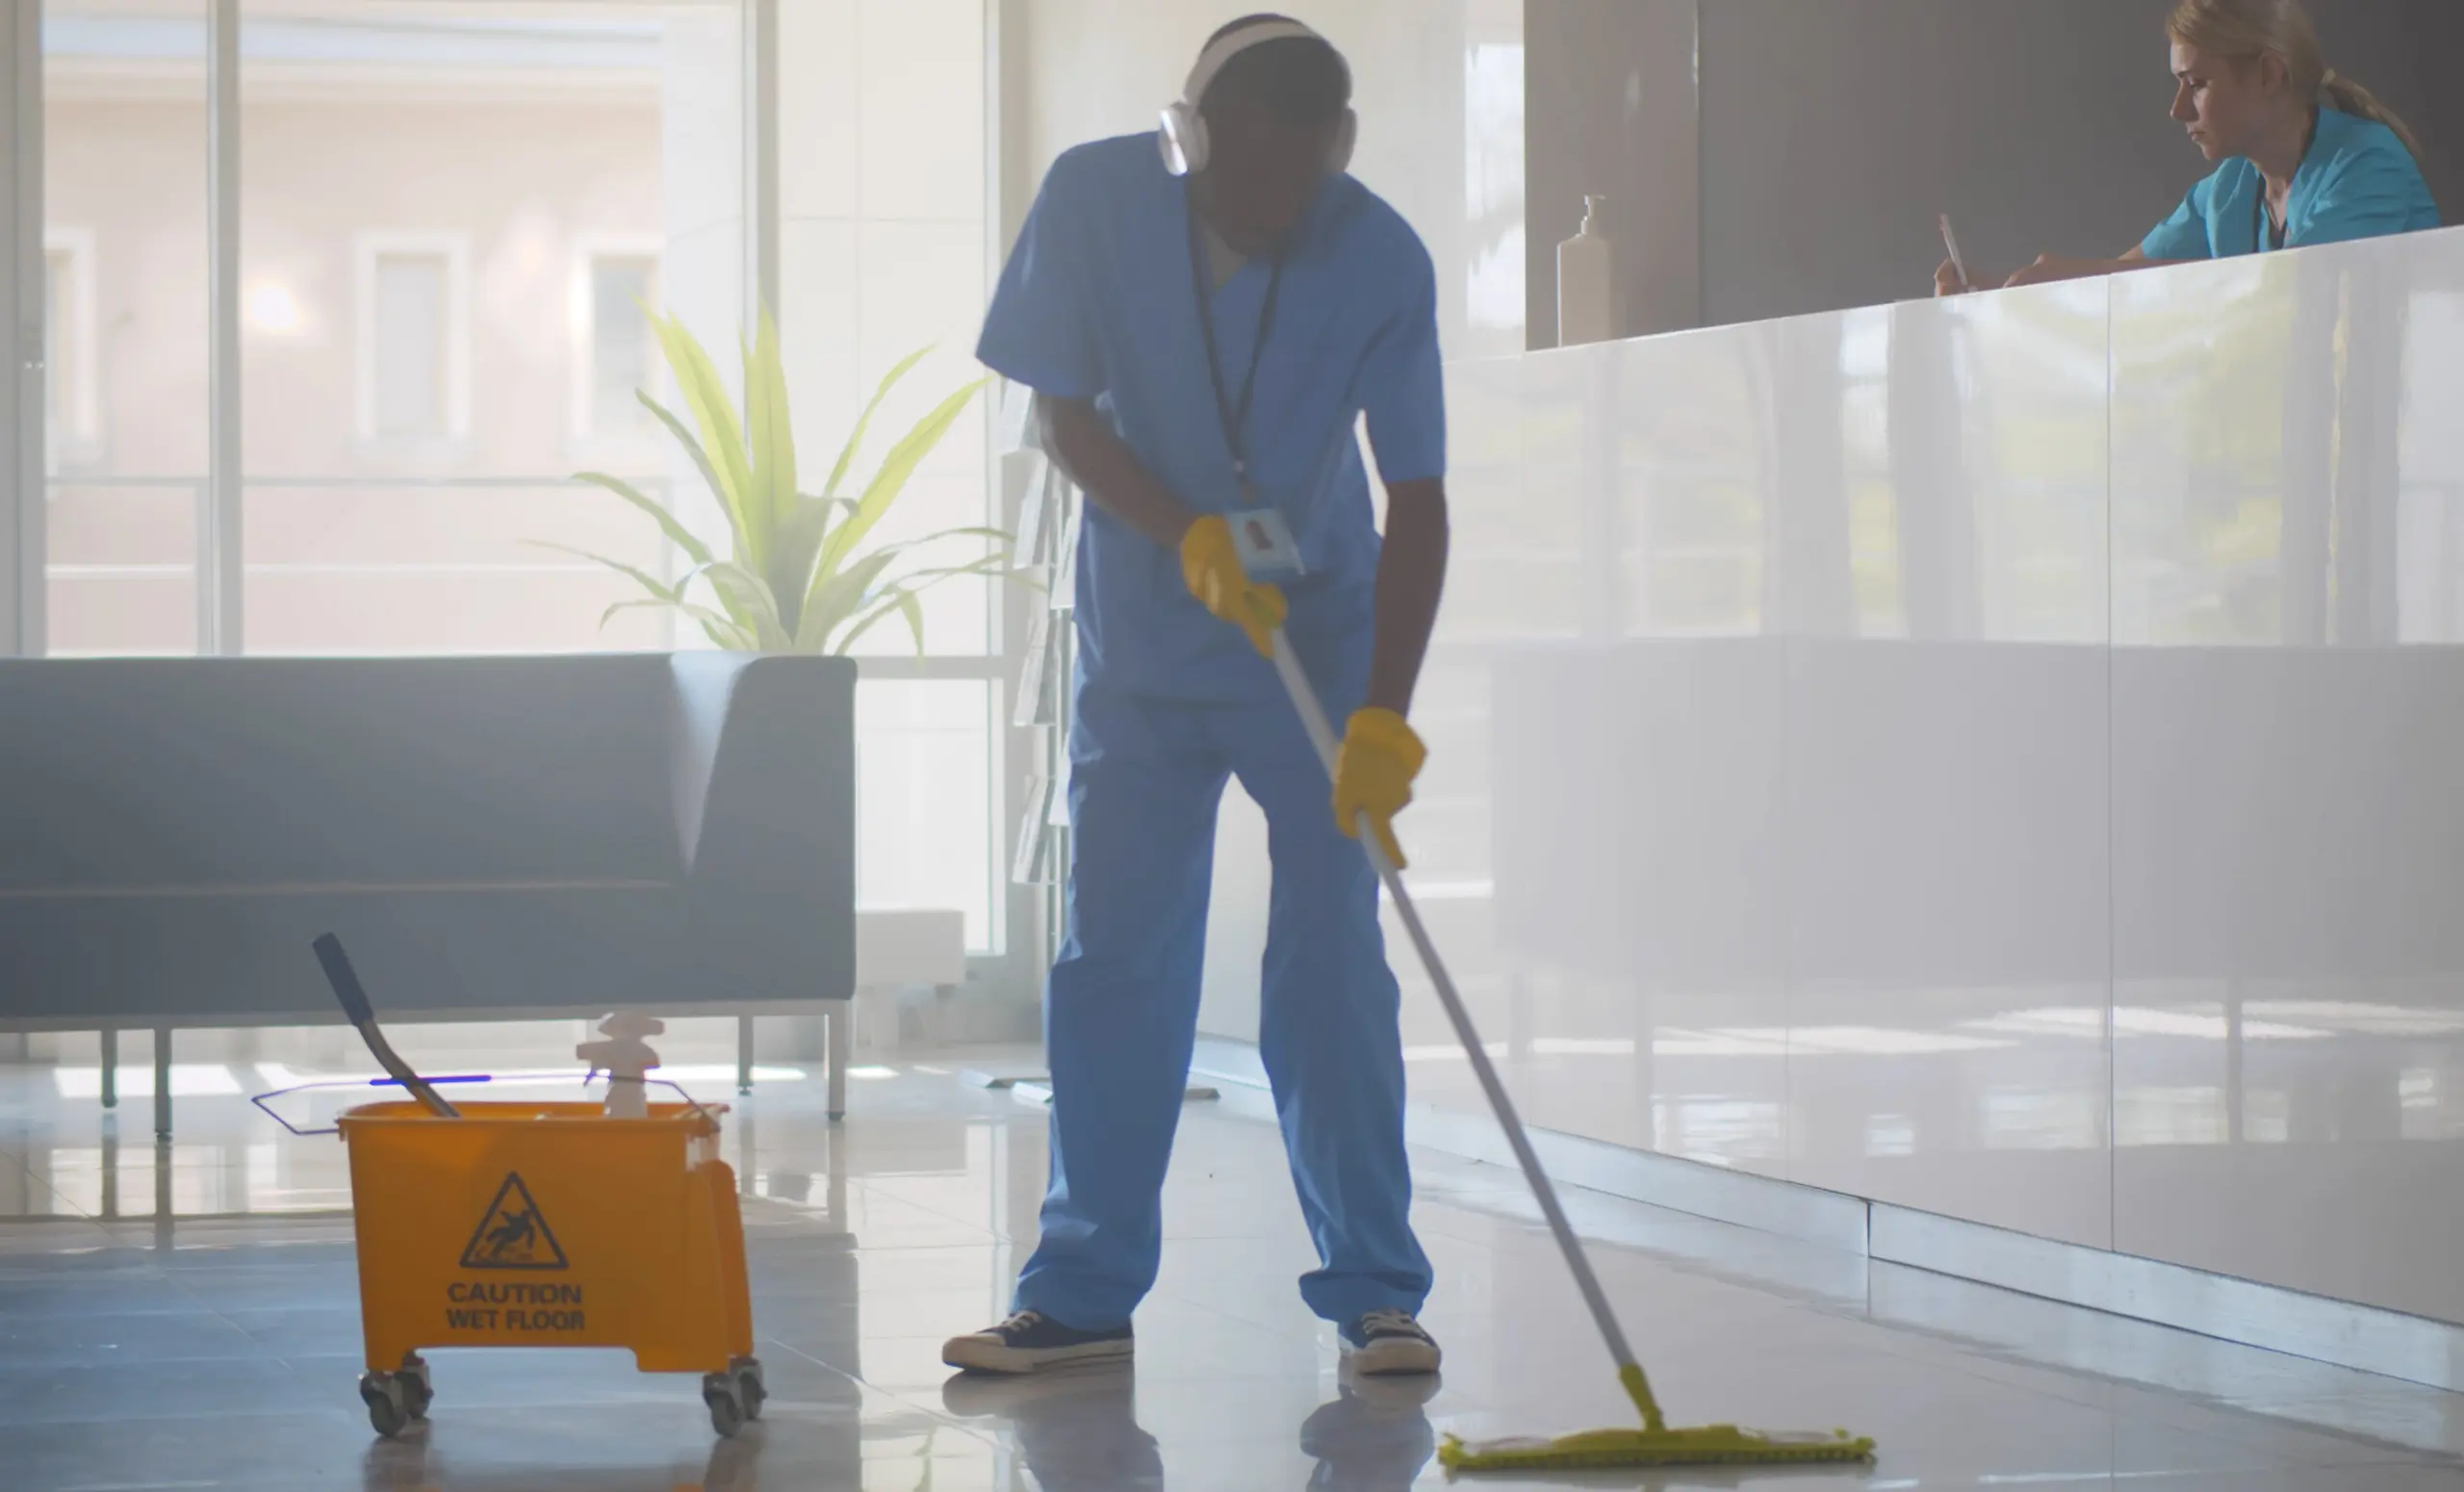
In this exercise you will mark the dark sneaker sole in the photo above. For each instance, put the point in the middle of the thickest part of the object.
(990, 1354)
(1393, 1357)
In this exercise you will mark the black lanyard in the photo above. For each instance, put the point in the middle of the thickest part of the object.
(1234, 418)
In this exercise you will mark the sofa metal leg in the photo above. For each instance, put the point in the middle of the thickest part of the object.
(162, 1085)
(744, 1054)
(110, 1066)
(834, 1028)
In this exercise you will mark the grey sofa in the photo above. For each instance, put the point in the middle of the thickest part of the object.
(490, 836)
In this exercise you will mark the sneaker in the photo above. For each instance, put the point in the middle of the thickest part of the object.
(1390, 1341)
(1030, 1341)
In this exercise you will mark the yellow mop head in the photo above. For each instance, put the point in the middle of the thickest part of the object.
(1711, 1445)
(1653, 1445)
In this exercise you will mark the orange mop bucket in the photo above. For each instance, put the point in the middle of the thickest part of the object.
(548, 1224)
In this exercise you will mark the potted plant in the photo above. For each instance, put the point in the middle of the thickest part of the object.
(797, 576)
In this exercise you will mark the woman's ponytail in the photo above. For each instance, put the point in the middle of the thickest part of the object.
(2246, 30)
(2345, 96)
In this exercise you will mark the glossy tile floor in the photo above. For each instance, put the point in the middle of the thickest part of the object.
(193, 1324)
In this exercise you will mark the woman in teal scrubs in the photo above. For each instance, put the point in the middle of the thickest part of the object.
(2308, 156)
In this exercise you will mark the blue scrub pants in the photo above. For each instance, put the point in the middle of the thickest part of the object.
(1121, 1012)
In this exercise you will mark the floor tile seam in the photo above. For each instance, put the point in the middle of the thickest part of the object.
(2382, 1452)
(84, 1310)
(930, 1411)
(1302, 1315)
(75, 1214)
(2372, 1451)
(875, 1192)
(218, 1312)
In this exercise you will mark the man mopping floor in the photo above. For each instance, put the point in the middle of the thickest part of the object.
(1205, 313)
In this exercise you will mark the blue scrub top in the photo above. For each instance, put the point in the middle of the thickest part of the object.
(2358, 182)
(1097, 303)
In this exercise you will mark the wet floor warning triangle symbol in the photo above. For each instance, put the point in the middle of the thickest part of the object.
(513, 1235)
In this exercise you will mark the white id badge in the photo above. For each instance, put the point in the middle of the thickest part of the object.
(1264, 542)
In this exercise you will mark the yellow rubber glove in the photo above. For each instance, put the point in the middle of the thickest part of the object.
(1374, 774)
(1212, 566)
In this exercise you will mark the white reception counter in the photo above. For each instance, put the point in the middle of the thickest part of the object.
(2003, 759)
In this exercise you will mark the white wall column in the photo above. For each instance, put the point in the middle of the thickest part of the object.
(705, 267)
(760, 25)
(21, 311)
(221, 536)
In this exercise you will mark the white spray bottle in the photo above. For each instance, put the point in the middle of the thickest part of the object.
(625, 1057)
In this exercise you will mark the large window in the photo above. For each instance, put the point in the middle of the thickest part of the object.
(452, 218)
(72, 405)
(124, 201)
(616, 357)
(414, 337)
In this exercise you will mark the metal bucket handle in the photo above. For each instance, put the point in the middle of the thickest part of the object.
(708, 1116)
(264, 1101)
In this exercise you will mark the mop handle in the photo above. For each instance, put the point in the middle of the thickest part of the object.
(1322, 735)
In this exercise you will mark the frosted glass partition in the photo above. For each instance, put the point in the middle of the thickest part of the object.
(2002, 757)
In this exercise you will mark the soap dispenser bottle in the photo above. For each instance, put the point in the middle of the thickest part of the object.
(1586, 280)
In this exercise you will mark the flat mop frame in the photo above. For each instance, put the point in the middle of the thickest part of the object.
(1717, 1442)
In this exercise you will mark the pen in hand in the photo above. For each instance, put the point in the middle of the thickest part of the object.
(1959, 262)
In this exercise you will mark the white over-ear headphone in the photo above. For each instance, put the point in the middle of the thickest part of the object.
(1183, 138)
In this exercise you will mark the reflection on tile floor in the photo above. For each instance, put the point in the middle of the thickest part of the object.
(189, 1320)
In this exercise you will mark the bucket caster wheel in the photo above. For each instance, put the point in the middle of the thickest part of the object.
(387, 1401)
(749, 1385)
(417, 1391)
(724, 1393)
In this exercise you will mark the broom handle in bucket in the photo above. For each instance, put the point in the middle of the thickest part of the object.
(356, 1009)
(1322, 735)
